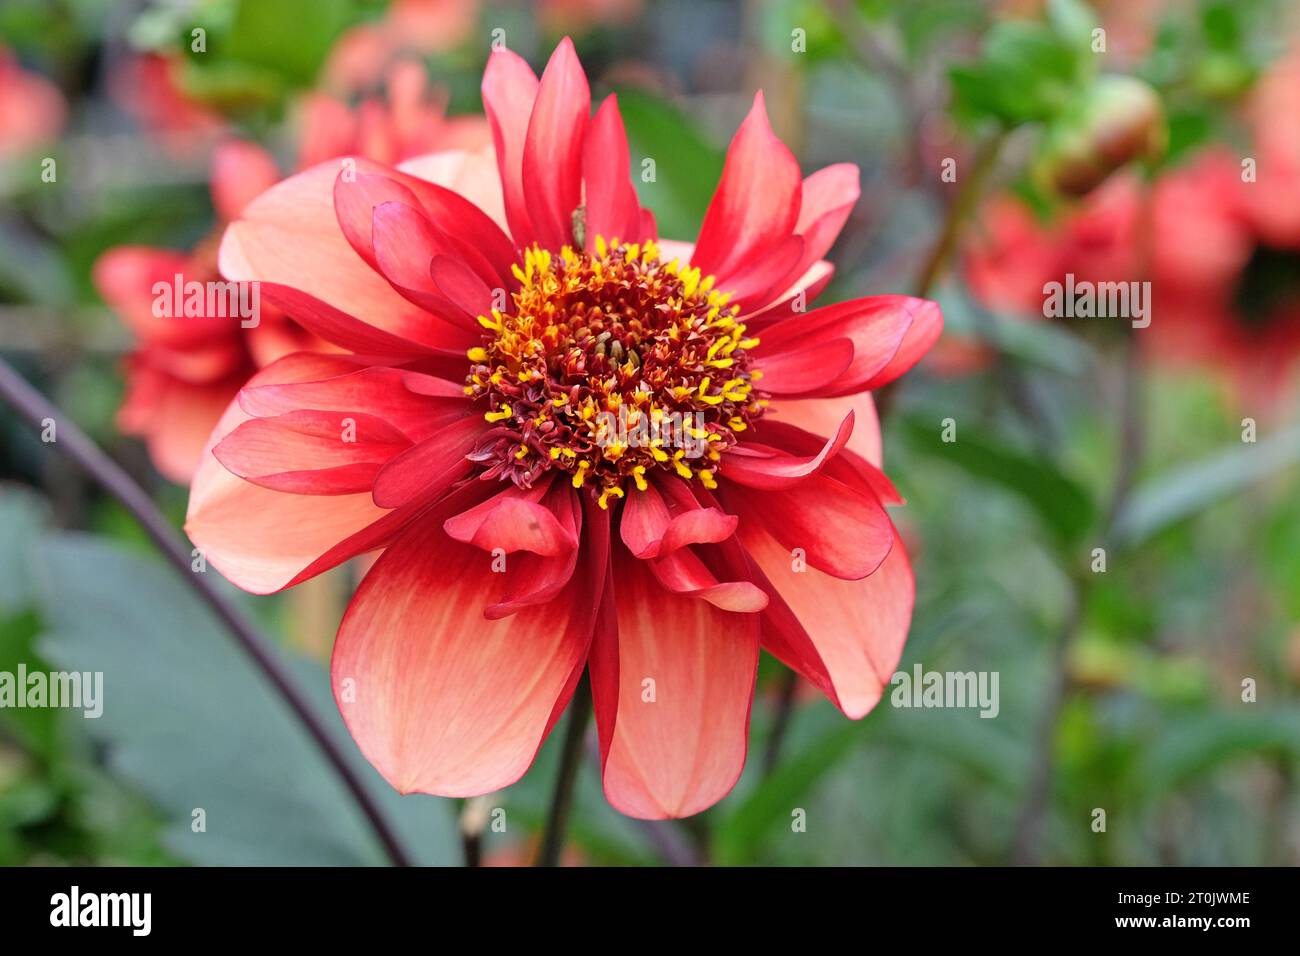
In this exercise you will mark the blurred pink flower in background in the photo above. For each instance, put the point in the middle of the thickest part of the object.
(185, 370)
(1218, 237)
(363, 54)
(147, 87)
(32, 110)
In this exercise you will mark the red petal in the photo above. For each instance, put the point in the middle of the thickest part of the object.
(553, 150)
(654, 523)
(612, 207)
(821, 416)
(461, 286)
(779, 469)
(847, 466)
(378, 390)
(756, 203)
(682, 572)
(262, 539)
(796, 371)
(311, 452)
(829, 196)
(878, 326)
(534, 579)
(517, 519)
(926, 327)
(509, 91)
(351, 333)
(843, 532)
(405, 245)
(290, 235)
(434, 463)
(356, 197)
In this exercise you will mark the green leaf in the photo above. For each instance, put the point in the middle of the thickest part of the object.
(1196, 744)
(741, 833)
(1026, 73)
(190, 721)
(1064, 505)
(22, 515)
(1189, 490)
(685, 174)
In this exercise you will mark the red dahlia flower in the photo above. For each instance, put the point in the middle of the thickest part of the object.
(497, 321)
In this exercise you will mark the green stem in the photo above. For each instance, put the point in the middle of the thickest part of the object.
(557, 819)
(35, 408)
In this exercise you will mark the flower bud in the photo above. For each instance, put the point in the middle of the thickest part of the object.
(1118, 120)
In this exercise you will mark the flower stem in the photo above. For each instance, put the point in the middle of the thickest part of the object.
(557, 819)
(1026, 841)
(787, 690)
(35, 408)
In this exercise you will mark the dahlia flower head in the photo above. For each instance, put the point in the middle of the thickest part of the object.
(579, 446)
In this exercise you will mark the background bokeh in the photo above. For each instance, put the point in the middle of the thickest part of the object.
(1162, 690)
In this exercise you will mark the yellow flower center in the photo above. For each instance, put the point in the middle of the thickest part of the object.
(610, 365)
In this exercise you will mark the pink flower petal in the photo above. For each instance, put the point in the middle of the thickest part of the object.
(845, 636)
(439, 699)
(672, 681)
(228, 517)
(241, 171)
(509, 91)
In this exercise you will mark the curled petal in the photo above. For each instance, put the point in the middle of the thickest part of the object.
(768, 468)
(684, 573)
(654, 523)
(843, 532)
(517, 519)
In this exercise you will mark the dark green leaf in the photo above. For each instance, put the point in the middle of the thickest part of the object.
(1187, 491)
(1063, 504)
(190, 721)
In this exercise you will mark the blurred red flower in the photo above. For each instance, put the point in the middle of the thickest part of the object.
(186, 369)
(498, 317)
(1218, 237)
(32, 109)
